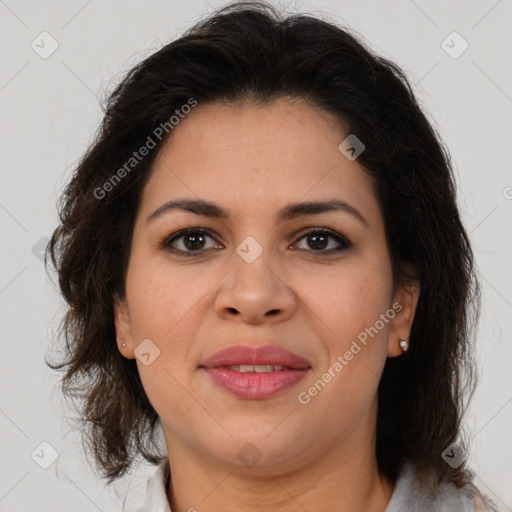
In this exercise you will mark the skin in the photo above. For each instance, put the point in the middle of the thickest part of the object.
(253, 160)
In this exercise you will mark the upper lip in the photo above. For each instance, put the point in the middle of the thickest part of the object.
(262, 355)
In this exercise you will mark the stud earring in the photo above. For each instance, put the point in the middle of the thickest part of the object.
(124, 345)
(404, 345)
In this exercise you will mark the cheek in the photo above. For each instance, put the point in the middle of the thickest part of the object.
(160, 297)
(349, 300)
(162, 305)
(349, 303)
(165, 302)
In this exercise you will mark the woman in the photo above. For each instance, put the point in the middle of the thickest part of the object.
(263, 256)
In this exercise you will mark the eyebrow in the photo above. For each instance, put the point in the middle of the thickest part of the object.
(289, 212)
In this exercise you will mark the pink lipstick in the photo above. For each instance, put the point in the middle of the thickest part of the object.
(255, 372)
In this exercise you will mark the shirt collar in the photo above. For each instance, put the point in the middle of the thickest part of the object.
(156, 490)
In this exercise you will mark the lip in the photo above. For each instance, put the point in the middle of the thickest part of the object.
(267, 354)
(255, 386)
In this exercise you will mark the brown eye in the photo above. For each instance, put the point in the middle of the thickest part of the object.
(318, 240)
(192, 240)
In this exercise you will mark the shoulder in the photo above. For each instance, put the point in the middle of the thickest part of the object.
(483, 503)
(444, 498)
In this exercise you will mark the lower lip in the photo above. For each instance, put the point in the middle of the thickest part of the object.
(254, 385)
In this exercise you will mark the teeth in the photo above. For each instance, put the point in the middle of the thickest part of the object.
(257, 368)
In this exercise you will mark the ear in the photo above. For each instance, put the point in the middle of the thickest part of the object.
(123, 328)
(405, 301)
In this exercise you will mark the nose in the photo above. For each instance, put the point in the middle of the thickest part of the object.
(255, 293)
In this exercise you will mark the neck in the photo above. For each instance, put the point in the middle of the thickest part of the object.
(343, 478)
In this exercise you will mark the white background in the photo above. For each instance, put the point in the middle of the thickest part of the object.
(50, 111)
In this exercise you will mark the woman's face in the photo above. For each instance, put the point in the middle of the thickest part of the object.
(256, 279)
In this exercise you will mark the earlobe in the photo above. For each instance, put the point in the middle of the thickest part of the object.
(123, 328)
(400, 327)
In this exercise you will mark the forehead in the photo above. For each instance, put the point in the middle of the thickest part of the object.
(249, 155)
(278, 127)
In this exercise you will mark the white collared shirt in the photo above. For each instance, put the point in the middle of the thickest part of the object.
(156, 490)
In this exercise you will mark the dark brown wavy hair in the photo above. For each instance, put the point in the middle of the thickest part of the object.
(249, 51)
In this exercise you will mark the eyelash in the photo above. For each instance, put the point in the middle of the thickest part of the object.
(165, 244)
